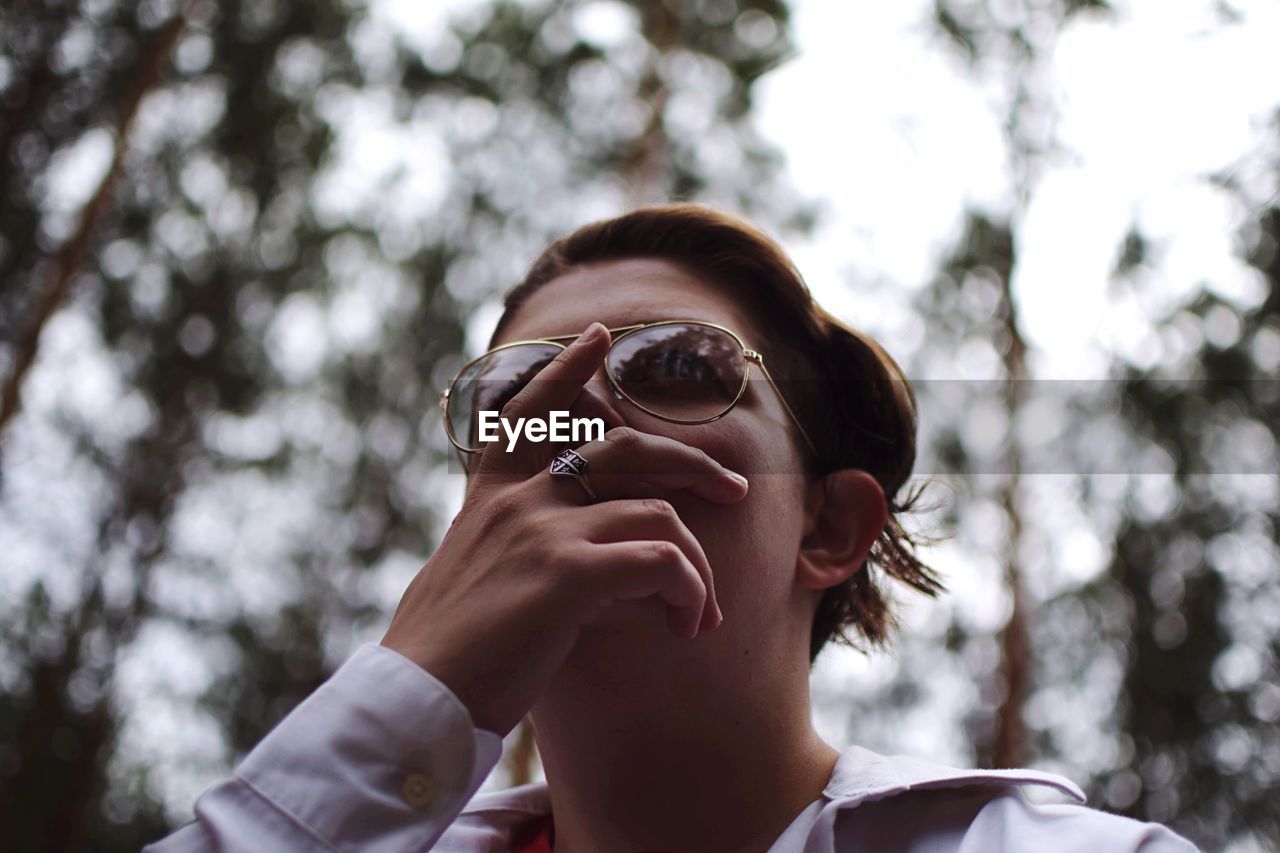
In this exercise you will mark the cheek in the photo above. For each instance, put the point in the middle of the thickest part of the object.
(751, 545)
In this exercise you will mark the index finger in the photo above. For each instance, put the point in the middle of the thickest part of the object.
(555, 387)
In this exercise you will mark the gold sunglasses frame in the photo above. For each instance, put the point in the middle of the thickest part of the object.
(621, 333)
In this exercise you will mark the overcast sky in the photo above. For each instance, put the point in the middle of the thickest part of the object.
(882, 124)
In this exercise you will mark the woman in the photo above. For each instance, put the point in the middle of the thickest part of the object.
(654, 598)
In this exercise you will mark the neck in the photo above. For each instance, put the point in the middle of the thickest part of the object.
(677, 756)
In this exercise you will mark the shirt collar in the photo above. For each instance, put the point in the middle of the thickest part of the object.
(859, 775)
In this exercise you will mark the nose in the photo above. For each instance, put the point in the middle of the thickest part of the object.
(598, 400)
(599, 381)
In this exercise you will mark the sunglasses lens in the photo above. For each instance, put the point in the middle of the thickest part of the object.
(489, 384)
(683, 372)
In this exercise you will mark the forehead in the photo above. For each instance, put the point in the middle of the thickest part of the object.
(619, 293)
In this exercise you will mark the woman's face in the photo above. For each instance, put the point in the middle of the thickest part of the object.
(751, 545)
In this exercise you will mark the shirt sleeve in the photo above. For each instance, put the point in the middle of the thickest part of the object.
(381, 758)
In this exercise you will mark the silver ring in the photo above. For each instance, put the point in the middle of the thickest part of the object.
(571, 463)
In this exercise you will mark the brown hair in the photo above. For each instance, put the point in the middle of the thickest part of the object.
(860, 411)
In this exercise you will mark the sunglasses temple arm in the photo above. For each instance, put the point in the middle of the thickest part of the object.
(783, 397)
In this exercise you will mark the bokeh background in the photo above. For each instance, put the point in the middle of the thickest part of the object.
(243, 245)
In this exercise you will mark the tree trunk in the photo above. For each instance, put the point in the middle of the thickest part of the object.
(63, 268)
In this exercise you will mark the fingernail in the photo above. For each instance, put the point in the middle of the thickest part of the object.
(737, 478)
(593, 332)
(719, 616)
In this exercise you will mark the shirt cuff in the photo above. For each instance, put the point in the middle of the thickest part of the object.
(382, 756)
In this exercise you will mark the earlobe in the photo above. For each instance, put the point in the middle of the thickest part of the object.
(845, 512)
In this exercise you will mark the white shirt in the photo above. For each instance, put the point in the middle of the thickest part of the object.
(383, 757)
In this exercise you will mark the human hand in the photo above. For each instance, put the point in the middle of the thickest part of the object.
(526, 565)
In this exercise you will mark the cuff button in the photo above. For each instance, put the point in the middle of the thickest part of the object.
(419, 790)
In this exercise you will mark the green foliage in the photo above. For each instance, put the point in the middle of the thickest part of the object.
(1202, 642)
(1156, 680)
(273, 313)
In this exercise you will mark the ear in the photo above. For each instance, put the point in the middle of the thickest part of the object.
(845, 512)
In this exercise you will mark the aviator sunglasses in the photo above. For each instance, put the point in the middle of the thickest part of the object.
(681, 371)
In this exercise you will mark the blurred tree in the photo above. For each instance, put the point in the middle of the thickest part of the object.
(1157, 681)
(1195, 570)
(232, 417)
(970, 306)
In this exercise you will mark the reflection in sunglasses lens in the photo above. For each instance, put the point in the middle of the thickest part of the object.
(490, 383)
(681, 371)
(684, 372)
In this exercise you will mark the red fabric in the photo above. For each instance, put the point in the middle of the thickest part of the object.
(533, 837)
(537, 835)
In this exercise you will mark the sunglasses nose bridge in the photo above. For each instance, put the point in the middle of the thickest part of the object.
(601, 384)
(599, 399)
